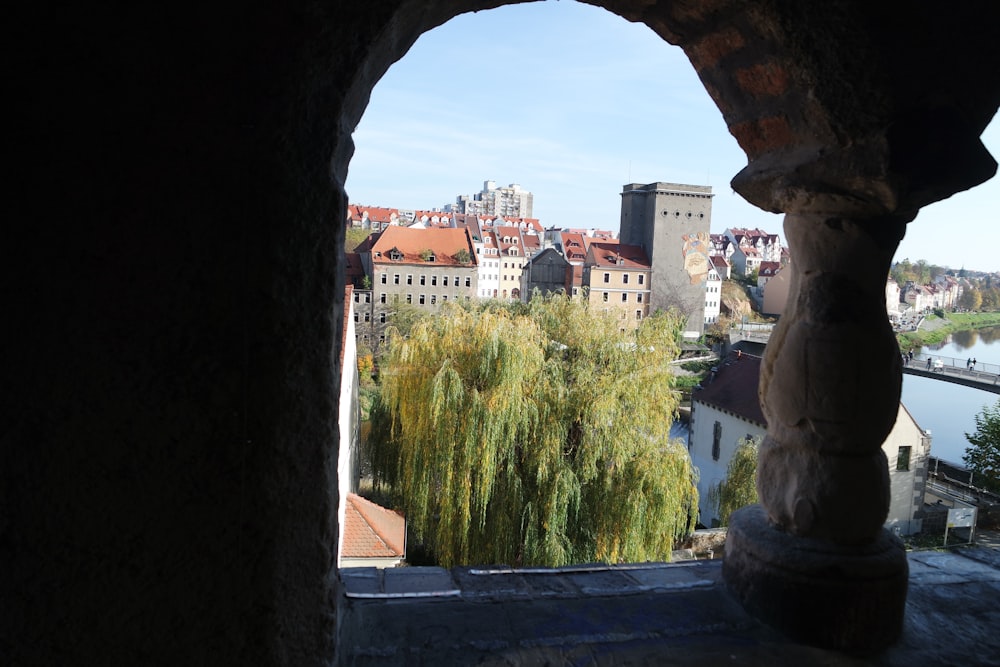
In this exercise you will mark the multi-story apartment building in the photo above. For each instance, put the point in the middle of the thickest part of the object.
(670, 222)
(768, 246)
(510, 201)
(618, 277)
(713, 294)
(423, 268)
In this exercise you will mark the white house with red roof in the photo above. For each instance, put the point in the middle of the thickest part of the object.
(746, 259)
(713, 293)
(727, 408)
(375, 218)
(371, 535)
(349, 421)
(767, 245)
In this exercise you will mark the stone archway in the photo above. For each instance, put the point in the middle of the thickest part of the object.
(169, 421)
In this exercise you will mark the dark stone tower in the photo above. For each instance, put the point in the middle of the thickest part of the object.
(671, 223)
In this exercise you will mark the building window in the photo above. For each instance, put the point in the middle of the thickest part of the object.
(423, 279)
(409, 279)
(422, 299)
(395, 279)
(638, 314)
(381, 297)
(381, 318)
(368, 317)
(444, 298)
(356, 316)
(384, 276)
(357, 297)
(368, 297)
(409, 298)
(903, 458)
(468, 283)
(624, 297)
(641, 278)
(716, 441)
(434, 299)
(624, 279)
(638, 298)
(607, 277)
(605, 297)
(434, 280)
(444, 281)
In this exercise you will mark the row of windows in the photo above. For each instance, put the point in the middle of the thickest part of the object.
(423, 280)
(638, 315)
(638, 297)
(607, 278)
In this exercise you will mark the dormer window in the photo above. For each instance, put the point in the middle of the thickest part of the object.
(395, 255)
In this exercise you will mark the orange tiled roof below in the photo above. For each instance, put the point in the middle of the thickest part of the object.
(372, 531)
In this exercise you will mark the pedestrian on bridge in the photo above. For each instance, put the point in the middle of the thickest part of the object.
(928, 363)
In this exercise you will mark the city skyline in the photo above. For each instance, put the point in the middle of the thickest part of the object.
(469, 103)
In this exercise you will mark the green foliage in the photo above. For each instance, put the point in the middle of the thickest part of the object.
(983, 456)
(535, 437)
(353, 237)
(463, 256)
(971, 299)
(426, 254)
(739, 488)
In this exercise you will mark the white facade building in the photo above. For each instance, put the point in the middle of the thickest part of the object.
(727, 409)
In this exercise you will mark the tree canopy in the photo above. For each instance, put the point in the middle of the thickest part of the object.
(983, 456)
(535, 435)
(739, 488)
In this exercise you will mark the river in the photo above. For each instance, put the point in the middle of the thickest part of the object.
(948, 410)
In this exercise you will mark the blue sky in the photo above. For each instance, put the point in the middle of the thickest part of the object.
(572, 102)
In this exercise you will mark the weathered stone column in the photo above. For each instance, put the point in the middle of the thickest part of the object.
(830, 387)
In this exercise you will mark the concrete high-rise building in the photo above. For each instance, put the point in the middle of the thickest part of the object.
(509, 202)
(671, 223)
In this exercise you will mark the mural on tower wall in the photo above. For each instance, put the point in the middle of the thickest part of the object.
(696, 256)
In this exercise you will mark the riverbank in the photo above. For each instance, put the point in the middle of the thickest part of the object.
(934, 329)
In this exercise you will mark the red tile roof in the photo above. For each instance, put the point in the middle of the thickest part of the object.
(372, 531)
(444, 243)
(607, 255)
(375, 213)
(734, 388)
(719, 262)
(768, 269)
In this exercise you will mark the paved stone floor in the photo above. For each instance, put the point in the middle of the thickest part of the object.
(652, 614)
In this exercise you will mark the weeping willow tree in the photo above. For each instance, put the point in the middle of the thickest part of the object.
(535, 436)
(739, 488)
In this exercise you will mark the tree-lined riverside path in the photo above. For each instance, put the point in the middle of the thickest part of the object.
(984, 376)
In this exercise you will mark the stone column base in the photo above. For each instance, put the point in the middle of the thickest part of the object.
(838, 597)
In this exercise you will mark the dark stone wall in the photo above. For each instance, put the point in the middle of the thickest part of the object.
(169, 426)
(174, 297)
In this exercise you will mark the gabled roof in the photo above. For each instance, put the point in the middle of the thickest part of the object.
(375, 213)
(527, 224)
(768, 269)
(410, 242)
(719, 261)
(733, 388)
(372, 531)
(353, 269)
(617, 255)
(574, 246)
